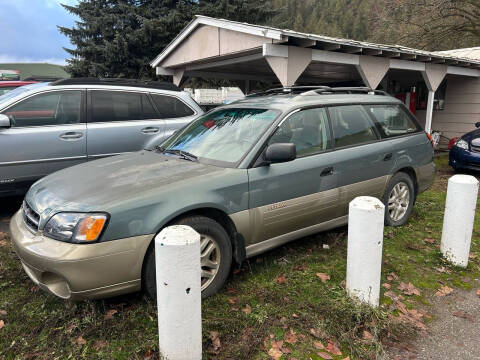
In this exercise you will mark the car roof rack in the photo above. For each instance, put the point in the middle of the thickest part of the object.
(42, 78)
(318, 90)
(162, 85)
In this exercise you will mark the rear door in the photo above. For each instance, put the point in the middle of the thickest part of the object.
(48, 134)
(174, 111)
(296, 195)
(121, 121)
(363, 162)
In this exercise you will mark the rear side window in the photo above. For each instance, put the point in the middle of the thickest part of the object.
(120, 106)
(170, 107)
(351, 125)
(53, 108)
(393, 119)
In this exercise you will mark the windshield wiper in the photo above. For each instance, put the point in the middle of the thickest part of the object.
(183, 154)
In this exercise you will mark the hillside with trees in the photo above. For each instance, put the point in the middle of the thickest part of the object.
(118, 38)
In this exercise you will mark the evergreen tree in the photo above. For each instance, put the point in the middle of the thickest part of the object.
(119, 38)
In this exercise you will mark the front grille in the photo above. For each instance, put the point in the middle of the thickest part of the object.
(30, 217)
(475, 148)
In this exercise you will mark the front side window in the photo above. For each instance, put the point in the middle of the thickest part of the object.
(225, 135)
(5, 89)
(351, 125)
(393, 119)
(120, 106)
(53, 108)
(307, 129)
(169, 107)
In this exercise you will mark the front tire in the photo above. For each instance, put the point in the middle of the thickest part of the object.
(399, 199)
(215, 252)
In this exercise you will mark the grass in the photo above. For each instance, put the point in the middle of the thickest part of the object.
(270, 298)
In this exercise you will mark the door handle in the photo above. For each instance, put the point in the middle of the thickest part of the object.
(150, 130)
(387, 157)
(71, 135)
(327, 171)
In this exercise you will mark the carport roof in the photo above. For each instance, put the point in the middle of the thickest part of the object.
(320, 42)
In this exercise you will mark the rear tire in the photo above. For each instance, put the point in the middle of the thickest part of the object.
(216, 256)
(399, 199)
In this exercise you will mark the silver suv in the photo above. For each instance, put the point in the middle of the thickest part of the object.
(46, 127)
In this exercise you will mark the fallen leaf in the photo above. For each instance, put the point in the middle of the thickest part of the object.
(463, 315)
(275, 353)
(318, 345)
(99, 344)
(387, 286)
(472, 256)
(326, 246)
(231, 291)
(343, 284)
(295, 315)
(408, 289)
(3, 243)
(80, 341)
(442, 269)
(393, 296)
(148, 355)
(429, 240)
(291, 337)
(70, 327)
(478, 292)
(281, 279)
(324, 355)
(333, 348)
(322, 276)
(232, 300)
(109, 314)
(367, 335)
(301, 267)
(2, 324)
(444, 291)
(34, 289)
(347, 358)
(391, 277)
(247, 309)
(3, 312)
(216, 344)
(319, 334)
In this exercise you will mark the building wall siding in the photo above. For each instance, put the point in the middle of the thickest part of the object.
(461, 109)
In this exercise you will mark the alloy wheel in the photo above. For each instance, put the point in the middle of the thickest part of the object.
(209, 259)
(398, 201)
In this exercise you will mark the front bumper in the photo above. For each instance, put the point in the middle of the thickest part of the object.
(464, 159)
(80, 271)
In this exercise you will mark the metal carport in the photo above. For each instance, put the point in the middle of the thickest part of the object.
(212, 48)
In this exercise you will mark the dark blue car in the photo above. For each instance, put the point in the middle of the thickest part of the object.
(465, 154)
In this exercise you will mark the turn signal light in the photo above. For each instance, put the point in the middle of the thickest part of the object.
(90, 228)
(430, 138)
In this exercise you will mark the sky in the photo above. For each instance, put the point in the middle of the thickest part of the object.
(28, 30)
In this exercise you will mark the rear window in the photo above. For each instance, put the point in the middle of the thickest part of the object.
(351, 125)
(120, 106)
(393, 120)
(169, 107)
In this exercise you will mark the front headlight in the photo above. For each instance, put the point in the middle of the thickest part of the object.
(76, 227)
(462, 144)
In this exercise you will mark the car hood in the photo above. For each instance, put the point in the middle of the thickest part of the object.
(471, 135)
(93, 186)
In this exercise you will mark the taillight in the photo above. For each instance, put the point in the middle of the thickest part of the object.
(430, 138)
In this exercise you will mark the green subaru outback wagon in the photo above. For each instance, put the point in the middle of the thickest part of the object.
(248, 177)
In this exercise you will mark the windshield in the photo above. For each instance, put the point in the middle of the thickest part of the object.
(224, 135)
(19, 90)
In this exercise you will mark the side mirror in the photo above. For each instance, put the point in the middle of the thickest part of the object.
(5, 122)
(280, 152)
(477, 124)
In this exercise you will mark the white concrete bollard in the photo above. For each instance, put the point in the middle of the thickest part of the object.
(458, 220)
(364, 254)
(178, 271)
